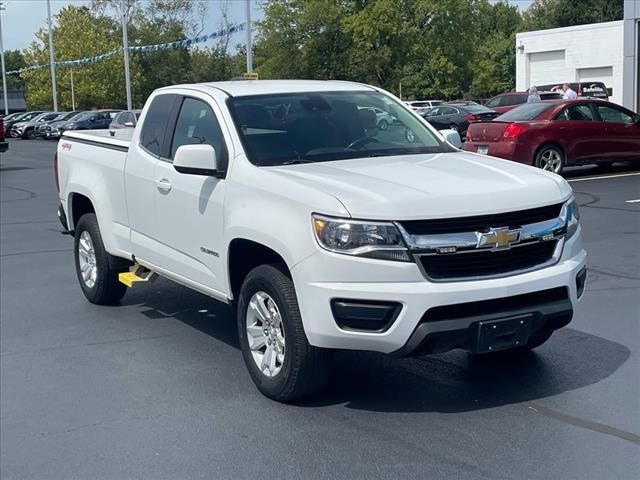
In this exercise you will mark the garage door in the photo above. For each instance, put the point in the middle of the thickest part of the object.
(547, 67)
(599, 74)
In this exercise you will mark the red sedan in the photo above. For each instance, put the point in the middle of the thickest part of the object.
(553, 134)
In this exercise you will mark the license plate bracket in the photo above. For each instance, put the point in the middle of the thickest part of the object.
(503, 333)
(483, 149)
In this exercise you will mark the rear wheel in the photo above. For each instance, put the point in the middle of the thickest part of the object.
(96, 269)
(550, 158)
(274, 346)
(383, 124)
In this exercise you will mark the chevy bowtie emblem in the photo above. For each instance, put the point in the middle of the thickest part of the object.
(498, 238)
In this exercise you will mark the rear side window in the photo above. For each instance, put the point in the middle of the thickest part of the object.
(154, 127)
(613, 115)
(126, 117)
(526, 111)
(495, 102)
(197, 124)
(576, 112)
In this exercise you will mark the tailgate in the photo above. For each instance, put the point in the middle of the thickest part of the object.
(488, 131)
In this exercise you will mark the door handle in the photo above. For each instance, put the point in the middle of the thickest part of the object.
(163, 184)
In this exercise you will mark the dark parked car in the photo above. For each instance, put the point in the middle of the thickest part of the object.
(584, 89)
(457, 116)
(125, 119)
(4, 146)
(52, 129)
(507, 101)
(88, 121)
(42, 127)
(556, 133)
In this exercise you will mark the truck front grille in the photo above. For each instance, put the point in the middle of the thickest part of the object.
(486, 263)
(481, 223)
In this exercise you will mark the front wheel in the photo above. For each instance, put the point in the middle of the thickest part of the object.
(383, 124)
(550, 158)
(96, 269)
(274, 346)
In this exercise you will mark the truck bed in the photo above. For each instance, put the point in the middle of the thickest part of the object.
(120, 138)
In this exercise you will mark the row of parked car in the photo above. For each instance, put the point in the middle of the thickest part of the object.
(51, 125)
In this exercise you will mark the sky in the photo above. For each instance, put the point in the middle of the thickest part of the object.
(21, 18)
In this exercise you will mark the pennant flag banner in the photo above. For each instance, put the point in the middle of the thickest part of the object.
(144, 48)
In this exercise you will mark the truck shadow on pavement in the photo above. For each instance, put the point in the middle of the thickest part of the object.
(452, 382)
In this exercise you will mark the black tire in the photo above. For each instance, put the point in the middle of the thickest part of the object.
(550, 150)
(107, 289)
(29, 134)
(383, 124)
(305, 368)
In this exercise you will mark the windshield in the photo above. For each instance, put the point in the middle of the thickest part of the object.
(315, 127)
(527, 111)
(76, 116)
(66, 116)
(30, 116)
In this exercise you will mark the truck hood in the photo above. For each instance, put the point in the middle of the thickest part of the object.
(430, 186)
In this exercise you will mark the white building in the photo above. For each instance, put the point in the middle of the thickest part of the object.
(606, 52)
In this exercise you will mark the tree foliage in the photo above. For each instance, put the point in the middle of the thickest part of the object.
(543, 14)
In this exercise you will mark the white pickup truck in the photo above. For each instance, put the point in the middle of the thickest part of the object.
(286, 200)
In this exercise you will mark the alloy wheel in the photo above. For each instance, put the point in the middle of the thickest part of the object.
(551, 161)
(87, 260)
(265, 334)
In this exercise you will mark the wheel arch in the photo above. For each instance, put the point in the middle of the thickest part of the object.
(244, 255)
(79, 205)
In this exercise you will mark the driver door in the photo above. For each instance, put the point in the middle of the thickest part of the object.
(189, 208)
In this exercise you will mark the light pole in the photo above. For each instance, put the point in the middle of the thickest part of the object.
(125, 50)
(249, 44)
(73, 95)
(4, 70)
(52, 60)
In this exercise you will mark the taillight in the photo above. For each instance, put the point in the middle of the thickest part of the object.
(513, 130)
(468, 134)
(470, 118)
(55, 171)
(580, 92)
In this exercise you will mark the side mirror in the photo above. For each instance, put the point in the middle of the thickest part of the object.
(128, 124)
(197, 159)
(452, 137)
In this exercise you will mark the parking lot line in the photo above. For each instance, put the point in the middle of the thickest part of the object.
(637, 200)
(604, 176)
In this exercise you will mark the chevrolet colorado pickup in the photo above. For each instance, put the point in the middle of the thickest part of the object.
(285, 199)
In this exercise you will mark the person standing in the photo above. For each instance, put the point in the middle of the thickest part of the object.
(533, 95)
(568, 93)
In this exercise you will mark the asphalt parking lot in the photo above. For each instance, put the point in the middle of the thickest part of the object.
(156, 388)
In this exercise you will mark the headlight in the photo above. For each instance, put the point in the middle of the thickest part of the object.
(70, 126)
(378, 240)
(573, 216)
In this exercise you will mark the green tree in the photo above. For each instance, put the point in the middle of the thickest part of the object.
(303, 39)
(494, 61)
(78, 34)
(14, 60)
(543, 14)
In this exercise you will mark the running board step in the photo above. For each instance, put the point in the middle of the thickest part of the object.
(136, 276)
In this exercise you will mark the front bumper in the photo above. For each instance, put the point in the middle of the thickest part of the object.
(325, 276)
